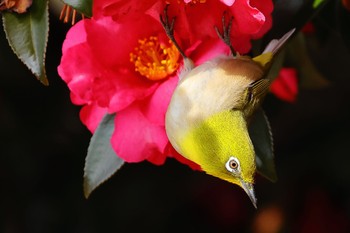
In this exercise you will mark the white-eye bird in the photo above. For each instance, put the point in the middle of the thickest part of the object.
(206, 121)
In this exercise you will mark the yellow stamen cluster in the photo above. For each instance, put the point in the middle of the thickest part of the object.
(155, 60)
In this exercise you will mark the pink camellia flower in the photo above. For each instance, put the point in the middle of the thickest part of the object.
(121, 61)
(251, 20)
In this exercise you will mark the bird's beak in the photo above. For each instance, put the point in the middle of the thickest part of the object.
(249, 189)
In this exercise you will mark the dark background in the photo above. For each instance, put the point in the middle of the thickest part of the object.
(43, 146)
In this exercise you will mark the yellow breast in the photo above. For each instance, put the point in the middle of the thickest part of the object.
(215, 140)
(210, 88)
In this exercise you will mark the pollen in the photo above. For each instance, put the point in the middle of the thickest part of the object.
(155, 60)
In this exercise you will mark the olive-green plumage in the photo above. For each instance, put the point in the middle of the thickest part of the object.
(206, 121)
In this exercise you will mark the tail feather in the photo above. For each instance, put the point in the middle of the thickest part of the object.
(275, 45)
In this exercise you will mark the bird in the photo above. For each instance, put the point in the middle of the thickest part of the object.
(209, 112)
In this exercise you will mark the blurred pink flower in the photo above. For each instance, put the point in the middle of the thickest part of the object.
(346, 4)
(308, 28)
(121, 61)
(285, 86)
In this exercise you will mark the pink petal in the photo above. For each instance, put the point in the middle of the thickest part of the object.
(241, 43)
(158, 103)
(247, 19)
(97, 70)
(91, 116)
(136, 139)
(122, 9)
(100, 7)
(115, 40)
(77, 72)
(76, 99)
(113, 54)
(209, 49)
(75, 35)
(130, 88)
(228, 2)
(266, 7)
(198, 22)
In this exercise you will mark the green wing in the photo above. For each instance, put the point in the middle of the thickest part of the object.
(254, 94)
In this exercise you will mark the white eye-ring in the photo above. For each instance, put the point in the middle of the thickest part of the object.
(232, 165)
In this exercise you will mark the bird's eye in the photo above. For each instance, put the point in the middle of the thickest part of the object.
(232, 165)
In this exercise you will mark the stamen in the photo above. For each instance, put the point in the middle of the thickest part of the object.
(66, 12)
(155, 60)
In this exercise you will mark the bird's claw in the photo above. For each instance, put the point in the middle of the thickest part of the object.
(226, 31)
(169, 29)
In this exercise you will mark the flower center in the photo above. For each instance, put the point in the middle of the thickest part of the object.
(155, 60)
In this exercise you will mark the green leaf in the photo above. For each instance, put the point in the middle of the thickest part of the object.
(261, 136)
(309, 75)
(317, 3)
(101, 161)
(27, 35)
(83, 6)
(276, 66)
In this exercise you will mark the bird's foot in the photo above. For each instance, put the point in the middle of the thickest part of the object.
(169, 29)
(226, 32)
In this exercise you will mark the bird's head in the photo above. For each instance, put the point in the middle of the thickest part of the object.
(222, 147)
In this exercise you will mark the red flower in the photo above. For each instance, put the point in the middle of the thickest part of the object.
(285, 86)
(251, 20)
(96, 66)
(346, 4)
(121, 61)
(308, 28)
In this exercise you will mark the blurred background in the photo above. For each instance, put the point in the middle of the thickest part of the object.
(43, 146)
